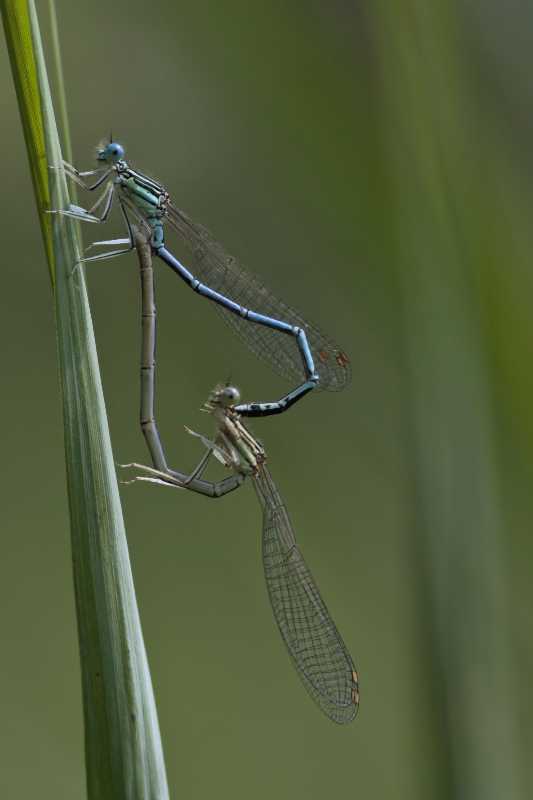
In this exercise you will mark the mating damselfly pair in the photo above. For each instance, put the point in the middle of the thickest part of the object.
(275, 332)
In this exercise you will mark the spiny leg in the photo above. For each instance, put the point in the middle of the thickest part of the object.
(77, 176)
(212, 447)
(84, 215)
(71, 176)
(111, 253)
(156, 475)
(108, 241)
(192, 482)
(199, 470)
(105, 199)
(165, 476)
(157, 481)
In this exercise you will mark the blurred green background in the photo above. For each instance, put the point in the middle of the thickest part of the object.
(373, 162)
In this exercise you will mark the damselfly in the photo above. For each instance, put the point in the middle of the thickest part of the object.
(216, 276)
(314, 643)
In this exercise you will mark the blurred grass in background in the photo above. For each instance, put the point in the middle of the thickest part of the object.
(373, 164)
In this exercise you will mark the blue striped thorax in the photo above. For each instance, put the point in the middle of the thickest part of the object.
(141, 189)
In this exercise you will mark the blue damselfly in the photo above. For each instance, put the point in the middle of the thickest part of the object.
(216, 276)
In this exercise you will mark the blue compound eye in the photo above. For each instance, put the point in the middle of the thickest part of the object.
(115, 150)
(111, 153)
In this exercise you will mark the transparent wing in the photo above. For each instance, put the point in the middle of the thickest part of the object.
(223, 273)
(314, 643)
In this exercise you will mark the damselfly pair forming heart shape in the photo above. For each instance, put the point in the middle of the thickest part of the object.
(312, 640)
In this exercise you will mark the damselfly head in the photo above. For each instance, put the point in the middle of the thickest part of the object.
(223, 396)
(110, 152)
(229, 396)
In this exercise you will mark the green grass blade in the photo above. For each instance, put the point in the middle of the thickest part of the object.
(123, 747)
(64, 129)
(17, 27)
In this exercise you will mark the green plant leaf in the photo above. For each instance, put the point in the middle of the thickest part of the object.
(17, 26)
(124, 755)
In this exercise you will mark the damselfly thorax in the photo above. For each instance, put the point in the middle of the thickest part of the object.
(143, 195)
(248, 455)
(245, 454)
